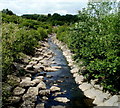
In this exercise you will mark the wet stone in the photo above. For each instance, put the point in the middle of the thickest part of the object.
(62, 99)
(54, 89)
(45, 98)
(44, 92)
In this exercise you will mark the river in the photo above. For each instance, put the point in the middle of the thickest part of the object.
(63, 79)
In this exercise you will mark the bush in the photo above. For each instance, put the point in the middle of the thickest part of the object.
(16, 40)
(95, 41)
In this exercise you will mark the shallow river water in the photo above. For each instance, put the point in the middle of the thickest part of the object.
(64, 79)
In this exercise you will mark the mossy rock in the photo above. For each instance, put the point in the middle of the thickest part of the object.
(13, 80)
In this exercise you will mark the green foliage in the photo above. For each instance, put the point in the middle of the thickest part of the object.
(18, 38)
(42, 33)
(95, 41)
(55, 19)
(7, 11)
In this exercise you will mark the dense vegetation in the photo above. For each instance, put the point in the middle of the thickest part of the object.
(95, 41)
(20, 37)
(55, 19)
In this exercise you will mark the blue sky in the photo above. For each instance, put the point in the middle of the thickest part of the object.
(20, 7)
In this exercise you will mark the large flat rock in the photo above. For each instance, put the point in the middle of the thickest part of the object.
(110, 102)
(85, 86)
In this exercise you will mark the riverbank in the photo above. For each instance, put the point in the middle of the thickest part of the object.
(45, 81)
(91, 89)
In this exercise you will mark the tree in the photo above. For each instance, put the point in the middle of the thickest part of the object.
(7, 11)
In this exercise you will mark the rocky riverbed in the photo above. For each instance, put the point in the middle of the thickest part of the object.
(47, 82)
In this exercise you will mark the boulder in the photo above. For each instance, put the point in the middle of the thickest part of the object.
(90, 93)
(28, 75)
(41, 74)
(59, 81)
(18, 91)
(45, 98)
(100, 97)
(62, 99)
(29, 67)
(26, 82)
(18, 66)
(75, 75)
(79, 79)
(28, 104)
(36, 80)
(37, 58)
(25, 79)
(31, 94)
(37, 66)
(49, 76)
(75, 70)
(41, 105)
(58, 106)
(56, 67)
(44, 92)
(31, 71)
(50, 69)
(110, 102)
(33, 62)
(41, 85)
(39, 77)
(54, 89)
(58, 93)
(13, 80)
(14, 99)
(85, 86)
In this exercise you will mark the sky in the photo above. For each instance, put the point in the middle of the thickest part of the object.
(62, 7)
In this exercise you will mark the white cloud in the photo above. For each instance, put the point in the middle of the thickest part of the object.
(63, 12)
(43, 6)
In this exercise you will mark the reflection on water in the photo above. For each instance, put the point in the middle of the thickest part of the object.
(63, 79)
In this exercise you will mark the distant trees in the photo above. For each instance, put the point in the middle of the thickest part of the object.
(7, 11)
(55, 19)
